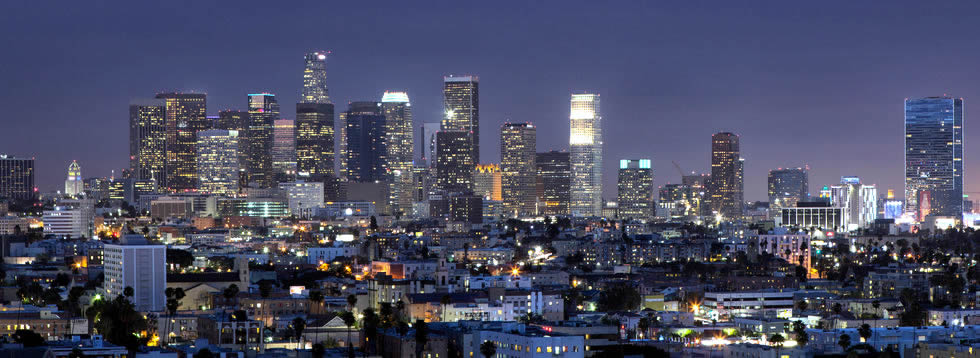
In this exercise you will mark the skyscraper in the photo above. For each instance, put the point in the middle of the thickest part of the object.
(859, 201)
(934, 156)
(635, 189)
(284, 150)
(148, 140)
(487, 182)
(217, 161)
(726, 176)
(554, 177)
(427, 143)
(315, 78)
(74, 184)
(366, 151)
(400, 156)
(518, 172)
(461, 100)
(17, 178)
(454, 169)
(585, 141)
(787, 186)
(263, 111)
(184, 115)
(232, 120)
(315, 140)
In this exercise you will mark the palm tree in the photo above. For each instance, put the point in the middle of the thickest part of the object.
(349, 321)
(316, 297)
(230, 293)
(876, 306)
(777, 340)
(445, 301)
(351, 302)
(299, 325)
(387, 321)
(488, 349)
(421, 337)
(844, 342)
(865, 332)
(370, 327)
(643, 326)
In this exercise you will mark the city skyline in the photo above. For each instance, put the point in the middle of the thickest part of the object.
(632, 113)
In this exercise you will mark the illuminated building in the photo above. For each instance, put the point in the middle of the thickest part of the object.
(934, 156)
(454, 169)
(466, 208)
(554, 177)
(787, 186)
(427, 143)
(184, 115)
(893, 209)
(217, 161)
(366, 149)
(284, 150)
(814, 215)
(461, 104)
(518, 145)
(65, 222)
(74, 185)
(148, 140)
(635, 189)
(585, 141)
(400, 156)
(794, 248)
(315, 78)
(135, 263)
(860, 202)
(488, 182)
(17, 178)
(302, 197)
(232, 120)
(680, 201)
(315, 140)
(263, 111)
(726, 176)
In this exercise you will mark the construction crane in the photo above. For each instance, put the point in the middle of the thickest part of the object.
(679, 170)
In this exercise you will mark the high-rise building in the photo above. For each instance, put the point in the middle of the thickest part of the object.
(461, 101)
(284, 150)
(366, 151)
(487, 182)
(859, 201)
(315, 141)
(263, 111)
(232, 120)
(74, 184)
(315, 78)
(135, 263)
(454, 169)
(17, 178)
(148, 140)
(185, 114)
(554, 176)
(427, 143)
(680, 202)
(635, 189)
(934, 156)
(585, 141)
(217, 161)
(726, 176)
(517, 149)
(787, 186)
(400, 156)
(303, 197)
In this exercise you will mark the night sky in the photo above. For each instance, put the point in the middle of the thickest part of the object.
(818, 83)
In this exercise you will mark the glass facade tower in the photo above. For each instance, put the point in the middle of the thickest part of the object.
(934, 156)
(585, 141)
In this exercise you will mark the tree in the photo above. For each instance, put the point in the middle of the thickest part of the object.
(844, 342)
(230, 293)
(445, 301)
(374, 224)
(351, 301)
(619, 297)
(128, 292)
(76, 353)
(777, 341)
(179, 258)
(318, 350)
(28, 338)
(644, 326)
(349, 320)
(370, 324)
(265, 288)
(421, 337)
(801, 305)
(799, 329)
(204, 353)
(118, 321)
(865, 331)
(299, 325)
(488, 349)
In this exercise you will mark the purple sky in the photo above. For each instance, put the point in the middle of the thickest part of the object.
(817, 83)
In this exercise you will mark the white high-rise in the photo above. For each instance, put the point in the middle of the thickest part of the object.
(217, 161)
(585, 142)
(860, 202)
(134, 262)
(74, 185)
(400, 156)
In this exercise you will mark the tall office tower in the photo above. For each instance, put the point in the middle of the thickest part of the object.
(698, 184)
(454, 169)
(585, 142)
(860, 202)
(263, 111)
(315, 141)
(488, 182)
(134, 262)
(517, 150)
(934, 156)
(148, 140)
(217, 161)
(635, 189)
(232, 120)
(726, 176)
(17, 178)
(315, 78)
(74, 185)
(284, 150)
(427, 143)
(366, 151)
(461, 101)
(787, 186)
(554, 176)
(184, 115)
(400, 156)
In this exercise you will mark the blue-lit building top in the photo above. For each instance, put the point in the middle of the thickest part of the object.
(934, 156)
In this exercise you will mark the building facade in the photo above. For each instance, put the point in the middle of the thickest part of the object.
(184, 115)
(787, 186)
(284, 150)
(400, 149)
(461, 103)
(934, 156)
(860, 202)
(263, 111)
(726, 176)
(74, 184)
(366, 147)
(585, 141)
(488, 182)
(17, 178)
(454, 169)
(148, 140)
(217, 161)
(554, 178)
(518, 172)
(635, 189)
(135, 263)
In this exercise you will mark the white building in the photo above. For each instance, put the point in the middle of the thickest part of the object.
(65, 222)
(137, 264)
(9, 225)
(585, 141)
(74, 185)
(217, 161)
(789, 247)
(316, 255)
(479, 311)
(768, 303)
(303, 197)
(514, 343)
(860, 202)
